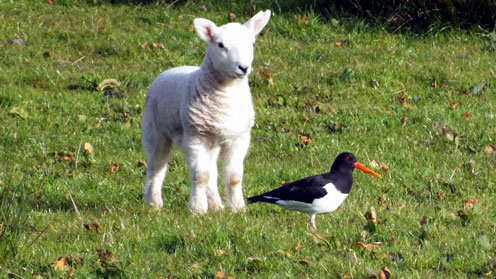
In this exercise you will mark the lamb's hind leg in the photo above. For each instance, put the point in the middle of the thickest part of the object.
(233, 155)
(158, 155)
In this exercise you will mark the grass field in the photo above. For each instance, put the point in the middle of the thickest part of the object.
(420, 109)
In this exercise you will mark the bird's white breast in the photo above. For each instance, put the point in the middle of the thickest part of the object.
(328, 203)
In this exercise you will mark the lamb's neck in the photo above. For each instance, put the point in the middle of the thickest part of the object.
(209, 77)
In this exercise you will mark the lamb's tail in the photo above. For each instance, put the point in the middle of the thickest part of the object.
(262, 198)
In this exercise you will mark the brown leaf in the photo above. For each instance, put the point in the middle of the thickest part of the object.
(220, 274)
(231, 16)
(471, 203)
(434, 84)
(142, 163)
(302, 19)
(385, 168)
(305, 140)
(88, 227)
(369, 247)
(405, 119)
(46, 54)
(115, 167)
(100, 29)
(221, 252)
(340, 43)
(88, 148)
(50, 2)
(96, 225)
(191, 27)
(267, 76)
(467, 116)
(384, 273)
(453, 104)
(65, 158)
(444, 86)
(402, 99)
(71, 272)
(423, 221)
(371, 215)
(489, 149)
(145, 45)
(61, 264)
(297, 248)
(440, 195)
(381, 201)
(304, 262)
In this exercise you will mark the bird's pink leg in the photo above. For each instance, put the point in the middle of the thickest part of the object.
(313, 224)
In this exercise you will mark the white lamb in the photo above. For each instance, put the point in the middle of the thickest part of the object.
(206, 110)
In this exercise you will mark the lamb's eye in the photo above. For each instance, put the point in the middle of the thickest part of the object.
(221, 45)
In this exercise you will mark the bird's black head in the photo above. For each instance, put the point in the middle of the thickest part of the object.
(344, 162)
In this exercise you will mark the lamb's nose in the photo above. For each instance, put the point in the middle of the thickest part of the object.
(243, 69)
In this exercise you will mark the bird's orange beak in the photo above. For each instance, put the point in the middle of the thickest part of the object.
(367, 170)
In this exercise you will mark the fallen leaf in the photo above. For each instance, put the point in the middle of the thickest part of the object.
(434, 84)
(71, 272)
(109, 82)
(115, 167)
(489, 149)
(100, 29)
(402, 99)
(142, 163)
(96, 225)
(384, 273)
(302, 19)
(267, 76)
(221, 252)
(453, 104)
(405, 119)
(17, 111)
(369, 247)
(297, 248)
(61, 264)
(304, 262)
(371, 215)
(305, 140)
(145, 44)
(385, 168)
(231, 16)
(88, 148)
(50, 2)
(381, 201)
(444, 86)
(423, 221)
(340, 43)
(448, 134)
(191, 27)
(467, 116)
(220, 274)
(65, 158)
(88, 227)
(471, 203)
(46, 54)
(440, 195)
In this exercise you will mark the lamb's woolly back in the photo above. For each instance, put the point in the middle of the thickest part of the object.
(206, 110)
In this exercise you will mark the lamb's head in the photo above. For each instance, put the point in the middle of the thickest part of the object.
(230, 49)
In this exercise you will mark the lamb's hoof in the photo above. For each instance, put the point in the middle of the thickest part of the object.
(215, 207)
(155, 202)
(197, 209)
(241, 208)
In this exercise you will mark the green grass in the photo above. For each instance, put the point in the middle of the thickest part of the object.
(45, 201)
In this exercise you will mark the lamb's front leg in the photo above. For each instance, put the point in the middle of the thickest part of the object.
(233, 155)
(199, 161)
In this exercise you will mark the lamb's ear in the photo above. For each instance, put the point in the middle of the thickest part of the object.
(258, 21)
(205, 29)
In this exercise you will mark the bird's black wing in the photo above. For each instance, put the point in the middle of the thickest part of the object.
(303, 190)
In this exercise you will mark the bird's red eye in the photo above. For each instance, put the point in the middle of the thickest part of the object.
(347, 158)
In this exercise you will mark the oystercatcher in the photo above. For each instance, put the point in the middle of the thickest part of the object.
(317, 194)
